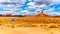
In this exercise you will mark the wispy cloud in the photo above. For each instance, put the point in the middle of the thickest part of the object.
(56, 1)
(32, 8)
(53, 10)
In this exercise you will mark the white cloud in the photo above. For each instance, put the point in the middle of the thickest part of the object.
(26, 12)
(47, 2)
(4, 0)
(5, 12)
(31, 7)
(31, 4)
(56, 1)
(38, 8)
(42, 5)
(38, 11)
(15, 1)
(29, 0)
(22, 12)
(51, 12)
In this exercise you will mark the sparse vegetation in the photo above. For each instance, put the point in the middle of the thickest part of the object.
(30, 21)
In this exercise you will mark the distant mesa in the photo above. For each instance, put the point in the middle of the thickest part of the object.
(40, 15)
(7, 15)
(10, 15)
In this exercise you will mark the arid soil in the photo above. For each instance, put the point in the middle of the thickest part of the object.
(30, 25)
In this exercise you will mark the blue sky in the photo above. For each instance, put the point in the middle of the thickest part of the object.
(30, 7)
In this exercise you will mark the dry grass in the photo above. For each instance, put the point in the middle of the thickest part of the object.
(30, 21)
(30, 25)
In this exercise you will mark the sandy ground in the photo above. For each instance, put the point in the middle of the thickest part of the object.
(28, 30)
